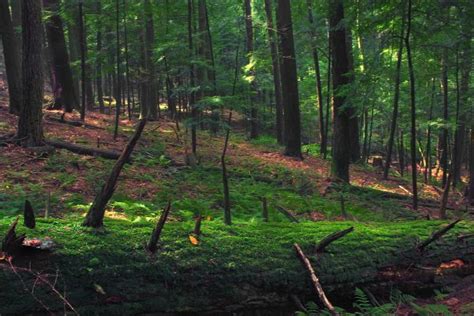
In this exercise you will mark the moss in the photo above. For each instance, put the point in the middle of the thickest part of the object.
(228, 263)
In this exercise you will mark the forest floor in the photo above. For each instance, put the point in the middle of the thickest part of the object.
(380, 210)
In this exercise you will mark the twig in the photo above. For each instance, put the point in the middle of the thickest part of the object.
(332, 237)
(314, 279)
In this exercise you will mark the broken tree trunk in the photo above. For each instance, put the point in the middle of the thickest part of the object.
(436, 235)
(314, 279)
(95, 216)
(332, 237)
(29, 215)
(287, 213)
(264, 209)
(197, 226)
(155, 235)
(11, 242)
(82, 150)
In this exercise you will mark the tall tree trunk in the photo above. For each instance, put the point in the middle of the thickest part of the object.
(328, 93)
(11, 52)
(82, 45)
(99, 58)
(118, 98)
(340, 69)
(212, 72)
(351, 110)
(251, 73)
(64, 92)
(289, 80)
(396, 97)
(465, 72)
(428, 163)
(276, 71)
(322, 135)
(444, 132)
(74, 46)
(150, 65)
(127, 60)
(192, 83)
(30, 127)
(413, 109)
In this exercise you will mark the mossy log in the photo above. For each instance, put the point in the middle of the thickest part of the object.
(238, 268)
(83, 150)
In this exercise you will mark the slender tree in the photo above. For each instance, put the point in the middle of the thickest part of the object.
(322, 132)
(192, 95)
(275, 70)
(98, 62)
(11, 53)
(251, 73)
(413, 108)
(396, 98)
(289, 80)
(118, 93)
(30, 126)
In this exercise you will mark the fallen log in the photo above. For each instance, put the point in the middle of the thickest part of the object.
(72, 123)
(332, 237)
(314, 279)
(82, 150)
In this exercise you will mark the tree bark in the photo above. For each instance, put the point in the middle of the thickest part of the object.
(98, 64)
(30, 125)
(289, 80)
(275, 70)
(11, 52)
(118, 93)
(340, 64)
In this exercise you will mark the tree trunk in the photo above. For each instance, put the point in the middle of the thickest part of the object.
(118, 98)
(95, 216)
(150, 85)
(192, 83)
(428, 163)
(82, 45)
(276, 71)
(63, 91)
(322, 135)
(127, 61)
(11, 52)
(98, 65)
(289, 80)
(251, 72)
(354, 141)
(30, 126)
(396, 97)
(413, 110)
(444, 133)
(340, 64)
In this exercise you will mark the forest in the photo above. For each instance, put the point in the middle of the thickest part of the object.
(236, 157)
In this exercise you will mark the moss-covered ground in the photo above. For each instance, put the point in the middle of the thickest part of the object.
(109, 272)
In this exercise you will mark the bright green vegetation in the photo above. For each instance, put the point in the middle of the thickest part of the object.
(257, 256)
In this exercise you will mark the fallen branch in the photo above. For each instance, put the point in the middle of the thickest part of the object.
(461, 237)
(315, 280)
(436, 235)
(11, 242)
(332, 237)
(155, 235)
(287, 213)
(82, 150)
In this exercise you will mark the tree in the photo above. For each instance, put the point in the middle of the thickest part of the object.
(251, 73)
(275, 71)
(413, 109)
(30, 127)
(340, 79)
(118, 92)
(322, 131)
(289, 80)
(11, 52)
(396, 98)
